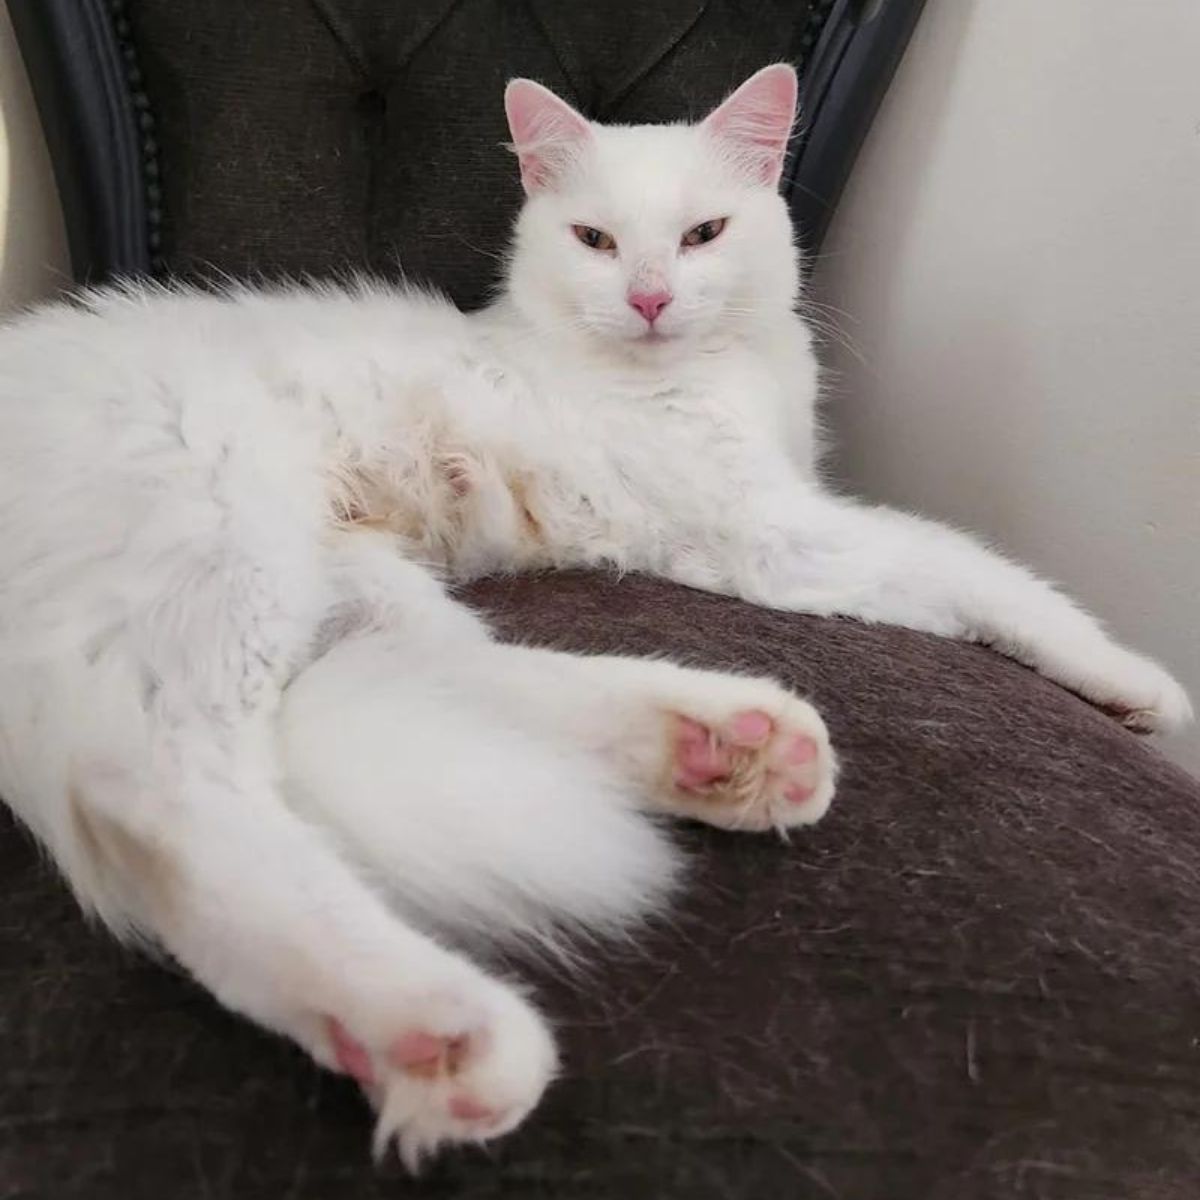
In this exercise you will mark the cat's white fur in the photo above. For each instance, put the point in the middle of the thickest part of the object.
(208, 499)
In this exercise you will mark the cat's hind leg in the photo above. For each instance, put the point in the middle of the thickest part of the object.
(147, 763)
(472, 815)
(473, 821)
(735, 751)
(606, 732)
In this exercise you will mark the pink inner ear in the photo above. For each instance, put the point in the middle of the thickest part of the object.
(546, 131)
(757, 120)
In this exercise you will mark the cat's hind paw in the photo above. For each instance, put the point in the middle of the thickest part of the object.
(749, 755)
(463, 1065)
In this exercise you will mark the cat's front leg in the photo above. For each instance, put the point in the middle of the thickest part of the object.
(804, 551)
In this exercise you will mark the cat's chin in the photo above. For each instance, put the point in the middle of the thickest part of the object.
(656, 349)
(650, 340)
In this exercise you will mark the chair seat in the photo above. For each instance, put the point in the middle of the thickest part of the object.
(978, 977)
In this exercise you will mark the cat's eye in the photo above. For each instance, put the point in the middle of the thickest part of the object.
(595, 239)
(704, 232)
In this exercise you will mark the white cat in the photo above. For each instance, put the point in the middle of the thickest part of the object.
(206, 499)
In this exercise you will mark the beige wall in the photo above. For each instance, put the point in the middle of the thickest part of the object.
(33, 257)
(1017, 265)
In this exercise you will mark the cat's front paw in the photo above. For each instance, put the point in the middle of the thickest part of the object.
(1134, 689)
(746, 754)
(1139, 693)
(457, 1064)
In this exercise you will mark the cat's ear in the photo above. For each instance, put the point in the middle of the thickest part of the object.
(547, 132)
(756, 121)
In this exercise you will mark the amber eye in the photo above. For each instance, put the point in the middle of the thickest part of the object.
(594, 239)
(704, 232)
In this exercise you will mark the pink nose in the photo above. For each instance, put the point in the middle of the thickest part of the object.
(650, 304)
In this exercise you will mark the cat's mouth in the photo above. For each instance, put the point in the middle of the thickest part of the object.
(653, 336)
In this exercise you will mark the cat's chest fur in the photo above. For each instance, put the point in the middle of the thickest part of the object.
(615, 462)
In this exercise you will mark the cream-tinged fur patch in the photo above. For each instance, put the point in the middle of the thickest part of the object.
(137, 863)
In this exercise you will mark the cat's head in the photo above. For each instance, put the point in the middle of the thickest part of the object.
(647, 236)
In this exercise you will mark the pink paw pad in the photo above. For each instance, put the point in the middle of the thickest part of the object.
(699, 758)
(427, 1054)
(751, 728)
(466, 1108)
(802, 749)
(352, 1057)
(754, 768)
(701, 755)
